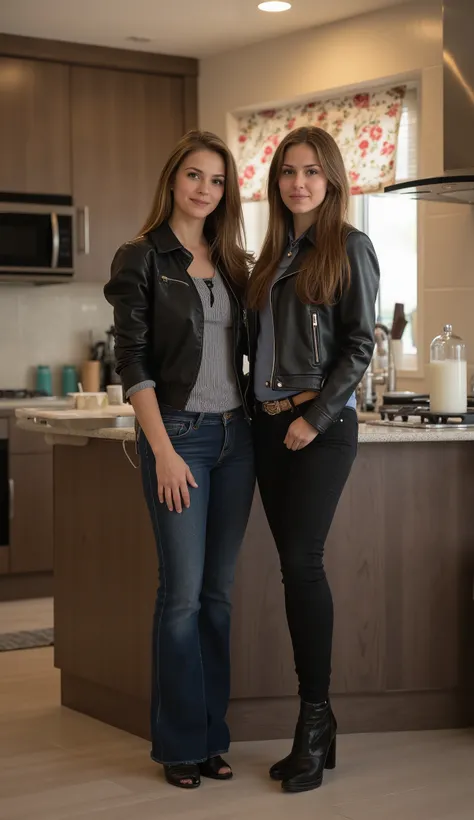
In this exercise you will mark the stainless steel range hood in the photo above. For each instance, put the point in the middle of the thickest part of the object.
(457, 183)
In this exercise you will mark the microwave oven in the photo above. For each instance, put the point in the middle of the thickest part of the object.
(37, 238)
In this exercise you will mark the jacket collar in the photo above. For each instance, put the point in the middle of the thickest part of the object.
(164, 239)
(309, 234)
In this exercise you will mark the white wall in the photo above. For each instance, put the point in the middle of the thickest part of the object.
(51, 324)
(393, 42)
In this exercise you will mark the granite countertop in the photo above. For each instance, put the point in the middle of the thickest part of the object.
(8, 406)
(368, 434)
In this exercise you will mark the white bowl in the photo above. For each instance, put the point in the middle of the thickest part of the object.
(89, 401)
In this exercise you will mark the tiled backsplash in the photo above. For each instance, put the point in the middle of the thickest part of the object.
(51, 324)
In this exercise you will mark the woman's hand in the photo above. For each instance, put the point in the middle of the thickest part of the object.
(173, 475)
(300, 433)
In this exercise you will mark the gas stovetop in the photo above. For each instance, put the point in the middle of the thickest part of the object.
(414, 411)
(22, 393)
(11, 399)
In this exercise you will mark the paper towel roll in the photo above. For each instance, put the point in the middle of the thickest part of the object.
(90, 376)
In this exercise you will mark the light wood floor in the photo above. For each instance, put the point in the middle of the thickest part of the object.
(56, 764)
(35, 613)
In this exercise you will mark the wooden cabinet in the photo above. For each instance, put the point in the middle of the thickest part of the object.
(400, 557)
(35, 127)
(30, 470)
(124, 124)
(31, 526)
(94, 123)
(23, 442)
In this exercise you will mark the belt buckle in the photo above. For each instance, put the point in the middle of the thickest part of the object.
(272, 407)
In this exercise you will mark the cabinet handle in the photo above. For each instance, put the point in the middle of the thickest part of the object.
(11, 499)
(84, 242)
(55, 234)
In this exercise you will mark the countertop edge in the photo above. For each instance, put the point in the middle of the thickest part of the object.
(367, 434)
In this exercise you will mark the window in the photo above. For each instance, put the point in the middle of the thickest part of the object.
(256, 221)
(391, 223)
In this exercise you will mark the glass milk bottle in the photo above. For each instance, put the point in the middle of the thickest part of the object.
(448, 373)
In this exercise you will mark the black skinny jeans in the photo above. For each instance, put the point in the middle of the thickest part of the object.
(300, 492)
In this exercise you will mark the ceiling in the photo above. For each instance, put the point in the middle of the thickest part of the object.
(191, 28)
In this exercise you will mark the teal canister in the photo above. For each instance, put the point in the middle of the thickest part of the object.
(43, 380)
(69, 379)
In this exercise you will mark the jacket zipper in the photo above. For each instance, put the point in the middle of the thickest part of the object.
(280, 278)
(314, 323)
(179, 281)
(189, 284)
(192, 284)
(247, 332)
(244, 401)
(274, 339)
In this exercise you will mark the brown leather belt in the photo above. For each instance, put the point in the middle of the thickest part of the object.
(272, 408)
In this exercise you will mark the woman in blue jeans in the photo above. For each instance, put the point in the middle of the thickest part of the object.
(176, 291)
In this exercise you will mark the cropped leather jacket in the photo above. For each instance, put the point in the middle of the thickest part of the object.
(159, 320)
(325, 348)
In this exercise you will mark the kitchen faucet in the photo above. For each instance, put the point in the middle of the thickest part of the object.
(381, 369)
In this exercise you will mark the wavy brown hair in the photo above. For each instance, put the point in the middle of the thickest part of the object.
(325, 271)
(224, 227)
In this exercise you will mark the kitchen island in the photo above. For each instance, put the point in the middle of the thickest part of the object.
(400, 557)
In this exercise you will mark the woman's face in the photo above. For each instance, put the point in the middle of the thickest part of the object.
(199, 184)
(303, 183)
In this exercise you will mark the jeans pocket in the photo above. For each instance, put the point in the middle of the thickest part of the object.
(177, 429)
(344, 430)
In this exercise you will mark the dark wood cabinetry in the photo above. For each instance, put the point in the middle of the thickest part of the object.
(31, 525)
(30, 466)
(123, 126)
(402, 588)
(35, 133)
(26, 562)
(96, 123)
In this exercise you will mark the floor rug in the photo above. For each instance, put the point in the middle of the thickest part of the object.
(28, 639)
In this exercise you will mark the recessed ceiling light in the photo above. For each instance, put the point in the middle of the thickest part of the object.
(274, 5)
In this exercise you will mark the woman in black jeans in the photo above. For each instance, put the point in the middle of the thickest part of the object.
(176, 292)
(312, 298)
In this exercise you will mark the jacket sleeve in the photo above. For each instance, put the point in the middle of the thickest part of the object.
(129, 293)
(356, 318)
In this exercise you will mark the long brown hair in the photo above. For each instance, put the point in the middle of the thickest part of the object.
(325, 269)
(224, 227)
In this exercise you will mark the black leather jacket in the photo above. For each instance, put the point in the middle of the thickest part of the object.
(319, 347)
(159, 320)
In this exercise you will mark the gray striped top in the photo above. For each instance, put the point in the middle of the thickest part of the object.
(216, 389)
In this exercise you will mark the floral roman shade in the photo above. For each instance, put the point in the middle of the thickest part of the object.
(365, 126)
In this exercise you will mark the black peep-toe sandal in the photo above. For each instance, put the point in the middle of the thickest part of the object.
(179, 773)
(212, 766)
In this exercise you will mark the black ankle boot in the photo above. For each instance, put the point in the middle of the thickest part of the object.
(314, 749)
(283, 769)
